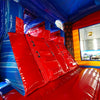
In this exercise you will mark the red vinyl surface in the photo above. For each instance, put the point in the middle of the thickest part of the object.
(1, 98)
(79, 84)
(28, 68)
(48, 63)
(91, 19)
(49, 53)
(38, 58)
(39, 31)
(55, 36)
(58, 39)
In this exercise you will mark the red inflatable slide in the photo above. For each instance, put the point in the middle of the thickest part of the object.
(39, 59)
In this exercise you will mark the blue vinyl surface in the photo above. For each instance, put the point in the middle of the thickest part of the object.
(65, 10)
(90, 66)
(49, 10)
(8, 66)
(5, 87)
(3, 84)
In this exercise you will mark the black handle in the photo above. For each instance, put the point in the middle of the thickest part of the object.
(52, 53)
(33, 43)
(38, 53)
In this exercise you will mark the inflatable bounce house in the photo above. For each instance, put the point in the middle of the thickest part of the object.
(49, 50)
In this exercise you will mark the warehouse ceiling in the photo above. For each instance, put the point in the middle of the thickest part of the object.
(65, 10)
